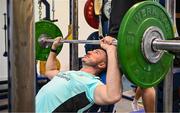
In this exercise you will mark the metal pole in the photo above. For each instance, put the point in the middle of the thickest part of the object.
(5, 35)
(171, 9)
(168, 82)
(48, 41)
(74, 61)
(22, 56)
(168, 92)
(8, 43)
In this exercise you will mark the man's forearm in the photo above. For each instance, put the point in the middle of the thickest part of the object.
(113, 75)
(51, 66)
(51, 62)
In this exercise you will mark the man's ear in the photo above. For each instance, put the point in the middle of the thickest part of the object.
(102, 65)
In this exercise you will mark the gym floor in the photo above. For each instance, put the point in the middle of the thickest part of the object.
(124, 105)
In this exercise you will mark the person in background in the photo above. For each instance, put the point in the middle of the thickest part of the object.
(148, 97)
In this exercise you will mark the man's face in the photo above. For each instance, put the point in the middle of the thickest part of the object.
(94, 58)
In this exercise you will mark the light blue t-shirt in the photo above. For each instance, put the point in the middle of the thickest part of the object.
(66, 89)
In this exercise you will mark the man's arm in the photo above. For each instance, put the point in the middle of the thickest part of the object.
(111, 92)
(51, 67)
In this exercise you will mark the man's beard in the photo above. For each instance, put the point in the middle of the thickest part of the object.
(84, 64)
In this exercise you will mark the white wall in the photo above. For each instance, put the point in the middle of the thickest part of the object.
(62, 14)
(3, 60)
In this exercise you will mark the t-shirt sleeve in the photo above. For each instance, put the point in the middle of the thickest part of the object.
(91, 88)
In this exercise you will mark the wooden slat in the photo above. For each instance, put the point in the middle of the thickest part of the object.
(22, 57)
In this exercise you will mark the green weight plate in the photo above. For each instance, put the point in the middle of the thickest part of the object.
(136, 68)
(50, 30)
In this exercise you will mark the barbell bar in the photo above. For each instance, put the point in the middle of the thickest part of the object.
(169, 45)
(48, 41)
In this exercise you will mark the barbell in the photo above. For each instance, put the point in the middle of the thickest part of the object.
(144, 39)
(47, 41)
(155, 45)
